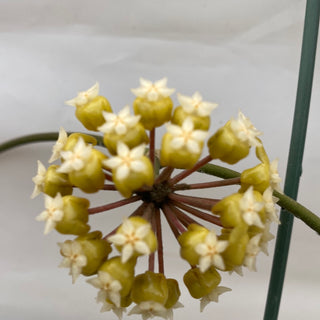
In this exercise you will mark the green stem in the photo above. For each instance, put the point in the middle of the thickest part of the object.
(299, 211)
(37, 137)
(219, 171)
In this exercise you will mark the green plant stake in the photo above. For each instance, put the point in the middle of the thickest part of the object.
(294, 168)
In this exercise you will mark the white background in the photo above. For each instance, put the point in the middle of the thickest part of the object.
(240, 54)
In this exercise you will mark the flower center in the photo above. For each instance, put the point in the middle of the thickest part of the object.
(158, 194)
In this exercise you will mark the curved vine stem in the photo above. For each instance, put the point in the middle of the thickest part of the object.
(298, 210)
(37, 137)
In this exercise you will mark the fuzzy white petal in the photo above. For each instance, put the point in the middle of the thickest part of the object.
(138, 152)
(122, 172)
(141, 247)
(117, 239)
(138, 166)
(57, 148)
(113, 162)
(127, 252)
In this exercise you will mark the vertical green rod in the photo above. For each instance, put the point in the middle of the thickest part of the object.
(294, 168)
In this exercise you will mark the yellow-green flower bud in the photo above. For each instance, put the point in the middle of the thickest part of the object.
(229, 210)
(226, 146)
(55, 182)
(150, 286)
(85, 254)
(134, 238)
(173, 293)
(182, 146)
(238, 239)
(133, 138)
(73, 139)
(125, 301)
(258, 177)
(131, 170)
(75, 216)
(153, 113)
(189, 240)
(122, 272)
(95, 249)
(200, 283)
(201, 123)
(180, 158)
(89, 107)
(91, 177)
(90, 114)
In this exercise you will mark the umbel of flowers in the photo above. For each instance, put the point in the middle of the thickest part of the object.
(142, 174)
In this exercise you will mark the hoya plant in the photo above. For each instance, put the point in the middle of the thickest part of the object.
(214, 236)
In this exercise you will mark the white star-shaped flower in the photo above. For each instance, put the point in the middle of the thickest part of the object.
(252, 249)
(53, 213)
(150, 309)
(209, 252)
(120, 123)
(186, 137)
(153, 91)
(169, 311)
(106, 306)
(250, 209)
(84, 97)
(266, 236)
(58, 147)
(126, 160)
(269, 205)
(106, 283)
(212, 296)
(274, 176)
(39, 180)
(74, 258)
(238, 270)
(194, 105)
(76, 158)
(245, 131)
(131, 239)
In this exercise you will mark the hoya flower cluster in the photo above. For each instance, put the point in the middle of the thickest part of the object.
(140, 173)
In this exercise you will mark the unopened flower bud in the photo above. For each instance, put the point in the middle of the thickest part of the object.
(73, 139)
(131, 169)
(134, 137)
(91, 178)
(89, 107)
(134, 238)
(181, 147)
(75, 216)
(199, 123)
(238, 239)
(258, 177)
(189, 240)
(85, 254)
(56, 182)
(96, 251)
(122, 272)
(226, 146)
(153, 103)
(229, 210)
(200, 283)
(150, 286)
(173, 293)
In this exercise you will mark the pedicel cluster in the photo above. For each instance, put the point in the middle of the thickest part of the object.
(146, 176)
